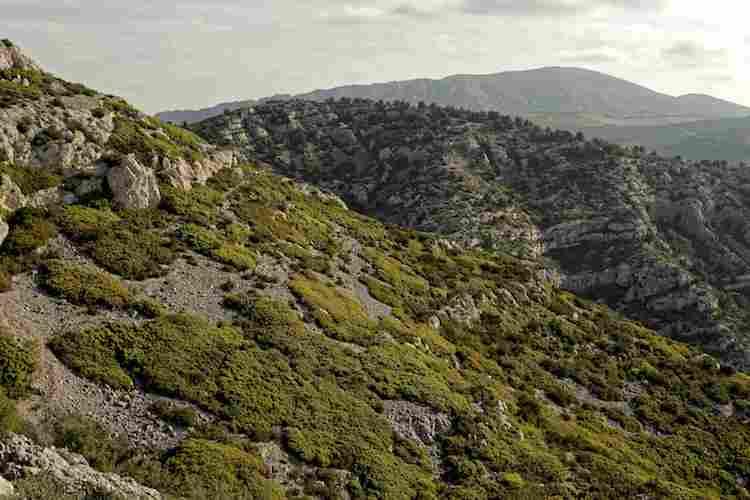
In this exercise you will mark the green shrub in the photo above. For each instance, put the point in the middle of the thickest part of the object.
(212, 470)
(132, 136)
(84, 285)
(215, 245)
(31, 180)
(85, 436)
(182, 416)
(128, 243)
(30, 229)
(9, 418)
(197, 205)
(132, 253)
(18, 361)
(335, 309)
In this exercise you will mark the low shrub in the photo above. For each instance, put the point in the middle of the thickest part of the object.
(182, 416)
(18, 361)
(84, 285)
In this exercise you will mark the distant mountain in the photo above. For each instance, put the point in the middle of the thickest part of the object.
(724, 139)
(555, 96)
(192, 116)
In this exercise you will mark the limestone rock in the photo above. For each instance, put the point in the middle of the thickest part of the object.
(11, 57)
(4, 229)
(133, 185)
(6, 488)
(11, 196)
(20, 457)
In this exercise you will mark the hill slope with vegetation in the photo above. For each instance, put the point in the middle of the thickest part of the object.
(663, 240)
(247, 335)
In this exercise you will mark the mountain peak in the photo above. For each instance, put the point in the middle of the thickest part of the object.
(11, 57)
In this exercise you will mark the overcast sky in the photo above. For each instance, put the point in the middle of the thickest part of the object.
(195, 53)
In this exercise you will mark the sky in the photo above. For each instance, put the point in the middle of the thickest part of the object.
(196, 53)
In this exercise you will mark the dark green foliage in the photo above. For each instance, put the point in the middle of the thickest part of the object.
(218, 246)
(177, 415)
(18, 360)
(145, 138)
(129, 243)
(84, 285)
(10, 421)
(31, 180)
(205, 469)
(30, 228)
(82, 435)
(197, 205)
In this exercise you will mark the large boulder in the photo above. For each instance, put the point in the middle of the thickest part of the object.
(133, 185)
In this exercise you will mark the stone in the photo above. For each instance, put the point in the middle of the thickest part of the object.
(133, 186)
(6, 488)
(20, 458)
(4, 229)
(11, 196)
(12, 58)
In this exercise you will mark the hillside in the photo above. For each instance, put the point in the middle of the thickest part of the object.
(561, 97)
(214, 330)
(663, 240)
(725, 139)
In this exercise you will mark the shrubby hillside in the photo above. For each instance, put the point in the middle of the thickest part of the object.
(194, 327)
(663, 240)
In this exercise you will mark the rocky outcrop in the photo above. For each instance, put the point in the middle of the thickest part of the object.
(21, 458)
(133, 185)
(183, 174)
(11, 57)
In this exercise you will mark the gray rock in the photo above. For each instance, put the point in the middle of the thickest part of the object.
(11, 196)
(6, 488)
(4, 229)
(20, 457)
(133, 185)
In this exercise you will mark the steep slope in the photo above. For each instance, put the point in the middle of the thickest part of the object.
(662, 239)
(252, 337)
(557, 96)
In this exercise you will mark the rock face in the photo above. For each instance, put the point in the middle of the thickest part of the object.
(11, 57)
(53, 129)
(133, 185)
(20, 458)
(663, 240)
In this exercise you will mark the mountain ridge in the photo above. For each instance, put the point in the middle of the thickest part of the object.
(514, 92)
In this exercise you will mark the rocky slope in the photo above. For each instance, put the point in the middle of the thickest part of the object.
(662, 240)
(247, 335)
